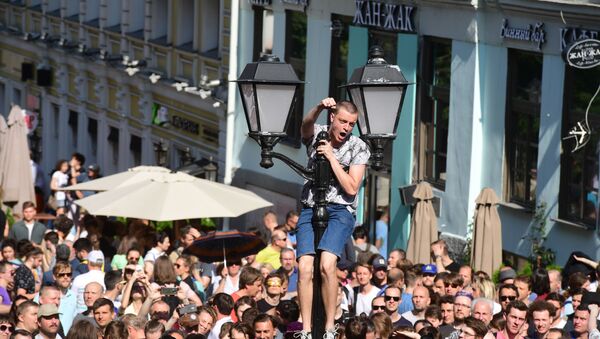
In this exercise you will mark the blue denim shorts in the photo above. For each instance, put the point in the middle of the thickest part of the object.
(337, 233)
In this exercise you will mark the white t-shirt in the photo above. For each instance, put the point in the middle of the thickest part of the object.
(29, 229)
(363, 301)
(152, 254)
(62, 179)
(81, 281)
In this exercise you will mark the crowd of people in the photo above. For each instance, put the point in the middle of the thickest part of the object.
(115, 280)
(82, 276)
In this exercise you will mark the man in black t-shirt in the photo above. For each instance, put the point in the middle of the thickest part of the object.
(439, 254)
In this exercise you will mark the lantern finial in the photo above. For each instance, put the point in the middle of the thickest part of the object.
(269, 58)
(376, 55)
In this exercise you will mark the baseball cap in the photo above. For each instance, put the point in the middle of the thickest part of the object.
(379, 263)
(429, 269)
(344, 264)
(96, 257)
(94, 168)
(47, 310)
(507, 274)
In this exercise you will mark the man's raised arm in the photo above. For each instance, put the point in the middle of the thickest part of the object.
(308, 123)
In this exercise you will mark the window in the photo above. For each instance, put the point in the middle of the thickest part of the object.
(73, 8)
(17, 96)
(295, 54)
(135, 146)
(185, 24)
(113, 19)
(434, 111)
(263, 32)
(159, 19)
(92, 139)
(113, 149)
(338, 62)
(211, 24)
(523, 124)
(136, 15)
(92, 10)
(579, 170)
(73, 129)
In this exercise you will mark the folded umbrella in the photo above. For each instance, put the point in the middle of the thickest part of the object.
(229, 246)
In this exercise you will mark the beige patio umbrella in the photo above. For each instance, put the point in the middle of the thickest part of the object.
(423, 226)
(131, 176)
(486, 249)
(15, 168)
(173, 196)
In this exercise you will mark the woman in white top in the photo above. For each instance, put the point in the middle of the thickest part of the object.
(60, 179)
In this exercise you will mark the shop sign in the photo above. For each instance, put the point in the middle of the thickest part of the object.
(389, 17)
(260, 2)
(535, 34)
(303, 3)
(584, 54)
(185, 124)
(569, 35)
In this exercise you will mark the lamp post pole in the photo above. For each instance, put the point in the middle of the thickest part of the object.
(269, 86)
(320, 219)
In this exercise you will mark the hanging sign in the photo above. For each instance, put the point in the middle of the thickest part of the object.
(583, 54)
(384, 16)
(296, 2)
(535, 34)
(260, 2)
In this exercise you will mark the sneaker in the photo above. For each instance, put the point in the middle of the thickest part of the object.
(332, 333)
(302, 335)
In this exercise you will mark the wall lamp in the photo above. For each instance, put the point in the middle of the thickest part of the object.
(31, 36)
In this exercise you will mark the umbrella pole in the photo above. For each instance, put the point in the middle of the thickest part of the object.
(320, 218)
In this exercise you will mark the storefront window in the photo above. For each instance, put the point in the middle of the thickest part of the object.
(523, 125)
(135, 146)
(295, 54)
(579, 170)
(434, 113)
(73, 129)
(263, 32)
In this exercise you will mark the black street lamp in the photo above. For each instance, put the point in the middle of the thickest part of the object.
(210, 170)
(160, 152)
(268, 89)
(377, 89)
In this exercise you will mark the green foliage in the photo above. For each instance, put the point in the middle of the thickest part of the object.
(539, 255)
(526, 270)
(466, 258)
(160, 226)
(496, 275)
(10, 216)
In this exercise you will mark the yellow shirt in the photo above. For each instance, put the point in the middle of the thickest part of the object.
(269, 255)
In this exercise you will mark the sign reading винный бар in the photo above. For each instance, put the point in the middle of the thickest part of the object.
(535, 34)
(380, 15)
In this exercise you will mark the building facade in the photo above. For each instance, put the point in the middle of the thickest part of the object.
(115, 79)
(491, 103)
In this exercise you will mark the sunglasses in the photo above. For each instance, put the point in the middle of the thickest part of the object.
(4, 328)
(129, 271)
(451, 284)
(389, 297)
(234, 263)
(284, 239)
(133, 259)
(378, 307)
(66, 274)
(507, 297)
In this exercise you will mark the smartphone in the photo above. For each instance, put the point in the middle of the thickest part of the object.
(189, 308)
(168, 290)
